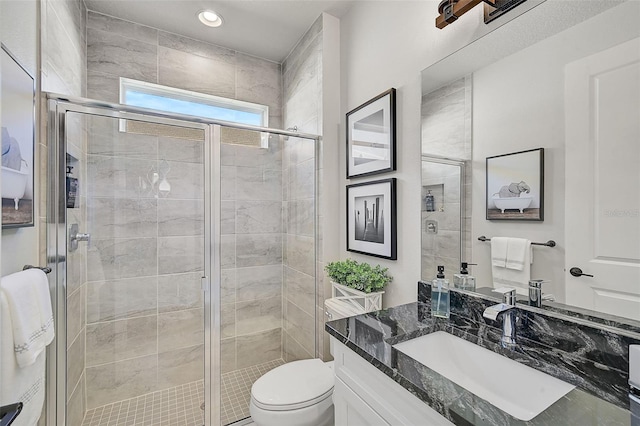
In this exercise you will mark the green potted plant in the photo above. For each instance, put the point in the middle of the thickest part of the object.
(358, 283)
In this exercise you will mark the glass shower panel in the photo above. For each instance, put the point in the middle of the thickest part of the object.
(135, 259)
(267, 241)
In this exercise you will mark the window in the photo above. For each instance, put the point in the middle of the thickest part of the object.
(163, 98)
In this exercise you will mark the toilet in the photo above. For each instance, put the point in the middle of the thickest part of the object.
(298, 393)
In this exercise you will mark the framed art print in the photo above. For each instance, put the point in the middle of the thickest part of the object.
(371, 218)
(515, 186)
(18, 130)
(371, 136)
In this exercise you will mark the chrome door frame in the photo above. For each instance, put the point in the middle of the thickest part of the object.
(56, 232)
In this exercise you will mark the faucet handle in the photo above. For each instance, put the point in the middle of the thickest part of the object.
(508, 295)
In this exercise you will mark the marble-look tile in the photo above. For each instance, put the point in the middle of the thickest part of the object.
(64, 52)
(228, 182)
(227, 154)
(258, 250)
(301, 217)
(103, 87)
(179, 292)
(228, 320)
(122, 218)
(75, 362)
(227, 286)
(448, 243)
(292, 350)
(118, 177)
(253, 217)
(124, 28)
(254, 183)
(76, 405)
(306, 70)
(180, 329)
(301, 253)
(180, 366)
(76, 317)
(301, 326)
(302, 180)
(258, 348)
(180, 254)
(73, 16)
(302, 105)
(227, 355)
(110, 300)
(186, 180)
(196, 47)
(227, 251)
(180, 217)
(258, 315)
(76, 269)
(300, 289)
(106, 138)
(179, 149)
(258, 282)
(192, 72)
(122, 258)
(227, 217)
(258, 81)
(252, 156)
(121, 380)
(301, 47)
(122, 339)
(114, 54)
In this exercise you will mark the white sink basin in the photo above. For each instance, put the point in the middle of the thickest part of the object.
(515, 388)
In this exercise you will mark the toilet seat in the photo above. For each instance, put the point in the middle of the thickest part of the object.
(294, 385)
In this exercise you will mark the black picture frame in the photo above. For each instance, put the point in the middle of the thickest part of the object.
(371, 230)
(371, 136)
(508, 177)
(18, 143)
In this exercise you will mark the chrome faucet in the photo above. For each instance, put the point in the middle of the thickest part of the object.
(506, 309)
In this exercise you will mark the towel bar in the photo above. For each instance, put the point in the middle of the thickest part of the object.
(44, 269)
(549, 243)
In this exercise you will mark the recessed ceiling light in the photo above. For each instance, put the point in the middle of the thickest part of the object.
(210, 18)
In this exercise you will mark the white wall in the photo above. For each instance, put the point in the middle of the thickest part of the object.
(18, 32)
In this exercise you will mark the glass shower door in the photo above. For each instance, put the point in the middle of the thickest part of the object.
(136, 206)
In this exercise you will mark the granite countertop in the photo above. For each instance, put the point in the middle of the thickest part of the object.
(372, 335)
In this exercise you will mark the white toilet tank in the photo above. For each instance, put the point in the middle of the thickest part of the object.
(336, 309)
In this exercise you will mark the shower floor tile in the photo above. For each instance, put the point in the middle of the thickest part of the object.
(180, 406)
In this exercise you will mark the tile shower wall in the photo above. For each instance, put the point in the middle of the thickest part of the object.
(144, 310)
(251, 250)
(63, 70)
(303, 300)
(118, 48)
(446, 132)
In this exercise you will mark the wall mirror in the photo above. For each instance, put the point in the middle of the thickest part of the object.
(571, 86)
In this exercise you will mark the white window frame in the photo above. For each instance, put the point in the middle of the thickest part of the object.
(190, 96)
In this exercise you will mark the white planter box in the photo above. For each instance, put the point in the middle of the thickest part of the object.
(368, 302)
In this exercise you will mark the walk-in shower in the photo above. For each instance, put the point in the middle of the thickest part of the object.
(183, 270)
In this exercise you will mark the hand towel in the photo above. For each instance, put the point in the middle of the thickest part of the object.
(516, 270)
(26, 385)
(30, 312)
(499, 251)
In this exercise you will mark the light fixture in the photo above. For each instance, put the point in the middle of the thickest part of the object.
(210, 18)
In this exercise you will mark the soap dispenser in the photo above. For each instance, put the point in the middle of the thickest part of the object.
(440, 295)
(463, 280)
(430, 202)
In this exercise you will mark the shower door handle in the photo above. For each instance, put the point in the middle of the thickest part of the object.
(75, 237)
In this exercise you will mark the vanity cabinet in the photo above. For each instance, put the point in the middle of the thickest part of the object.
(364, 395)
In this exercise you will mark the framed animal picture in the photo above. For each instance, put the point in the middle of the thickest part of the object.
(515, 186)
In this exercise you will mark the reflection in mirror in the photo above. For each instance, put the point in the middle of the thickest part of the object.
(442, 216)
(575, 93)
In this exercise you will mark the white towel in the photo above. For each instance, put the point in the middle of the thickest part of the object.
(516, 271)
(27, 294)
(499, 251)
(26, 385)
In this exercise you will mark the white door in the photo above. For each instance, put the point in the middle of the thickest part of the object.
(602, 224)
